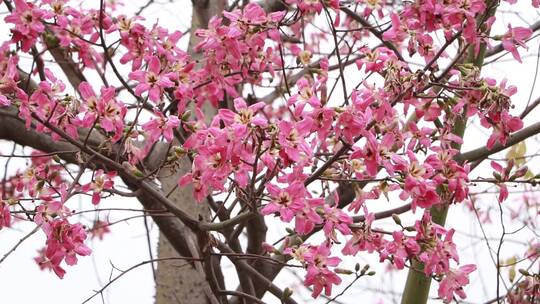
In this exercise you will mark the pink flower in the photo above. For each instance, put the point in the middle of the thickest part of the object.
(516, 37)
(99, 229)
(320, 120)
(154, 80)
(27, 18)
(245, 115)
(374, 154)
(501, 174)
(321, 278)
(335, 218)
(454, 281)
(503, 124)
(200, 189)
(5, 214)
(318, 260)
(363, 239)
(45, 263)
(422, 190)
(419, 137)
(8, 81)
(306, 94)
(314, 6)
(307, 217)
(286, 202)
(101, 182)
(397, 32)
(161, 126)
(437, 259)
(401, 249)
(105, 109)
(349, 125)
(64, 242)
(28, 23)
(4, 101)
(292, 141)
(46, 212)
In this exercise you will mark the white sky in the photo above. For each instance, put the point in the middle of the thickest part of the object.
(21, 281)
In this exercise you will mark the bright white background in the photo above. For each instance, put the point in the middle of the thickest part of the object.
(22, 282)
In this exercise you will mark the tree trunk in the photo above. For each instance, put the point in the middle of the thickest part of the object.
(176, 281)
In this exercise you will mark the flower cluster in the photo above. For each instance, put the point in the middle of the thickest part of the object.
(235, 50)
(290, 160)
(317, 261)
(65, 242)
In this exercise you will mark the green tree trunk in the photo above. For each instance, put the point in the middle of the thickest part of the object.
(417, 286)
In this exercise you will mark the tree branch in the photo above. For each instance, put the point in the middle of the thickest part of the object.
(483, 152)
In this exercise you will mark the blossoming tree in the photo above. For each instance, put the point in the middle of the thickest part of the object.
(329, 117)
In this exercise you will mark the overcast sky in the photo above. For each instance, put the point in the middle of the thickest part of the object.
(21, 281)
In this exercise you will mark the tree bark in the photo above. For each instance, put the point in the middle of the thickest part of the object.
(176, 283)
